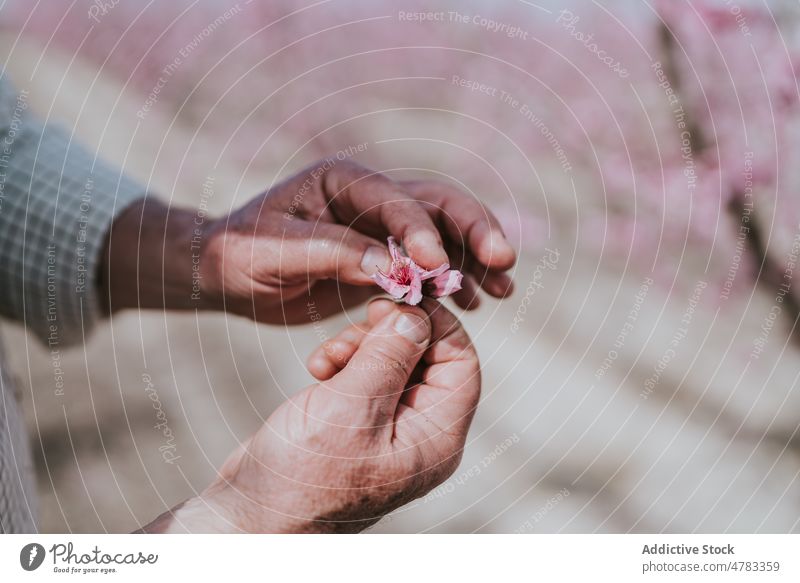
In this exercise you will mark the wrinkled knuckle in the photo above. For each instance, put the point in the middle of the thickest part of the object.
(355, 171)
(383, 182)
(350, 165)
(386, 360)
(341, 174)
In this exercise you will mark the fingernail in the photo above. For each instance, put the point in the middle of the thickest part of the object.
(431, 245)
(499, 241)
(411, 327)
(375, 258)
(427, 238)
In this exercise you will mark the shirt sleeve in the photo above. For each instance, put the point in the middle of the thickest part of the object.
(57, 202)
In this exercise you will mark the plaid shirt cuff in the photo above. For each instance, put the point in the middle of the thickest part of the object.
(57, 202)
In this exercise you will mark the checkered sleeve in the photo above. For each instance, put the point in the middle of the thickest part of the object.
(57, 202)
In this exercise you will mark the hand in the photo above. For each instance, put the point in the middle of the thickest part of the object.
(312, 240)
(386, 423)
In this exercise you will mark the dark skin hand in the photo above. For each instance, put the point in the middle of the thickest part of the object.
(314, 238)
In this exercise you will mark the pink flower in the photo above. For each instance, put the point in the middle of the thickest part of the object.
(405, 278)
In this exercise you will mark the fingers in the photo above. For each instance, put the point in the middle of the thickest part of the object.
(443, 401)
(467, 222)
(497, 284)
(484, 237)
(333, 355)
(467, 297)
(376, 374)
(311, 251)
(373, 206)
(380, 206)
(449, 393)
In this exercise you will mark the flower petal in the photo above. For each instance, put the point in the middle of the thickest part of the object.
(390, 286)
(415, 291)
(446, 283)
(405, 279)
(435, 272)
(395, 252)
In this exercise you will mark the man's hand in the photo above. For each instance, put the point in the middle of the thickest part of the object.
(316, 237)
(386, 423)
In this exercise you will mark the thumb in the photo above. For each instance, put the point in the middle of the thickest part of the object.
(330, 251)
(379, 370)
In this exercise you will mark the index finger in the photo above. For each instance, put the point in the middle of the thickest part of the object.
(466, 221)
(359, 195)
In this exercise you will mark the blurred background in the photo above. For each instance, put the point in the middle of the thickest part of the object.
(642, 156)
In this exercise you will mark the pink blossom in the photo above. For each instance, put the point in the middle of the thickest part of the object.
(405, 278)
